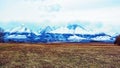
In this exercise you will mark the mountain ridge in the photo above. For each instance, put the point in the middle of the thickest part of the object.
(76, 32)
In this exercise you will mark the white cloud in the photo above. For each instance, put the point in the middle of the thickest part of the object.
(61, 11)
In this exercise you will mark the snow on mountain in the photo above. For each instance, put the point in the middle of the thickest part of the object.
(17, 37)
(83, 34)
(72, 29)
(75, 38)
(101, 38)
(62, 30)
(21, 34)
(79, 30)
(36, 33)
(47, 29)
(20, 29)
(114, 34)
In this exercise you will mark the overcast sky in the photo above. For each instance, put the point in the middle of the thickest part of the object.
(103, 14)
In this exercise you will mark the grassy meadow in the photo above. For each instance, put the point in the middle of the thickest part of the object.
(59, 55)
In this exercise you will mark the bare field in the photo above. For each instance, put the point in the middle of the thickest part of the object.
(59, 55)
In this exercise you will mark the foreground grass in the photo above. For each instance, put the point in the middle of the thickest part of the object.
(59, 56)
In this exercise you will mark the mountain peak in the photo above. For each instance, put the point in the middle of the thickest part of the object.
(20, 29)
(47, 29)
(72, 29)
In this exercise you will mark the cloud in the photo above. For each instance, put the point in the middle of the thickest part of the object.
(54, 12)
(62, 10)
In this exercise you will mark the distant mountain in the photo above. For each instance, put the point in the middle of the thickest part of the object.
(20, 29)
(71, 29)
(20, 34)
(69, 33)
(78, 33)
(114, 34)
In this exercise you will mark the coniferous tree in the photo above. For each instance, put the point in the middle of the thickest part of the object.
(1, 35)
(117, 41)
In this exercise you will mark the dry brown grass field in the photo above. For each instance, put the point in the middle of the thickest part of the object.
(59, 55)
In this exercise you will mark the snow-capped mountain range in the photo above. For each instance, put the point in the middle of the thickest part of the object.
(76, 33)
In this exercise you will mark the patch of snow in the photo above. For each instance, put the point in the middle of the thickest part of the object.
(17, 37)
(75, 38)
(101, 38)
(36, 33)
